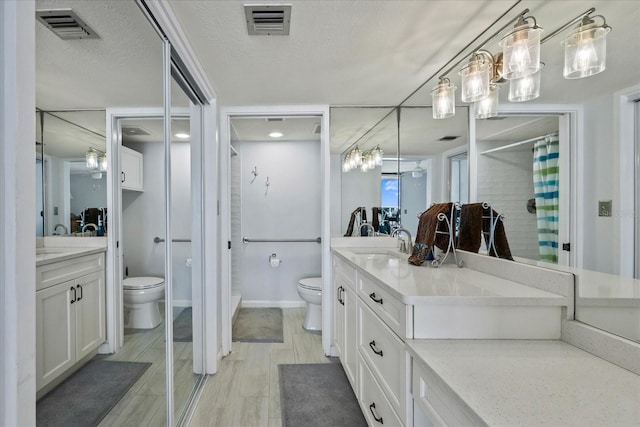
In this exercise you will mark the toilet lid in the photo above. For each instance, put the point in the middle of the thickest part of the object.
(311, 283)
(142, 282)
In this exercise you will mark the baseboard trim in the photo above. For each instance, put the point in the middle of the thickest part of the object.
(267, 303)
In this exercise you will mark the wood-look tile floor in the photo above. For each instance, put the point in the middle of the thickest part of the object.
(245, 392)
(144, 403)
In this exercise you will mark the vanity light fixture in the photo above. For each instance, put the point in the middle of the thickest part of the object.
(525, 88)
(102, 162)
(521, 49)
(443, 98)
(585, 49)
(488, 107)
(91, 159)
(476, 77)
(364, 160)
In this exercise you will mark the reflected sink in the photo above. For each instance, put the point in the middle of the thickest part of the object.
(50, 251)
(376, 253)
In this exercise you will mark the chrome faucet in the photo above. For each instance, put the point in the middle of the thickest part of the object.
(64, 227)
(370, 230)
(408, 247)
(84, 227)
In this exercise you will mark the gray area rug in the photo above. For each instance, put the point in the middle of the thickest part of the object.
(182, 326)
(258, 325)
(317, 395)
(87, 396)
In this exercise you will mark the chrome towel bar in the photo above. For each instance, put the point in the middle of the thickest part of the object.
(247, 240)
(159, 240)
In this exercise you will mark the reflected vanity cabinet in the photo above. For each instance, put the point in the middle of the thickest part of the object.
(131, 169)
(70, 314)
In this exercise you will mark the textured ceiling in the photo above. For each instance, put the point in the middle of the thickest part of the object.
(340, 53)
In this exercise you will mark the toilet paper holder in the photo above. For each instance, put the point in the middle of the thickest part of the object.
(274, 258)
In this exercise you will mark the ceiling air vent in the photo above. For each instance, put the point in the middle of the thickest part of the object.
(448, 138)
(135, 131)
(65, 24)
(268, 20)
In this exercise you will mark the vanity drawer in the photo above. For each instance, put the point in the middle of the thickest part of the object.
(435, 401)
(376, 408)
(344, 273)
(386, 356)
(51, 274)
(392, 312)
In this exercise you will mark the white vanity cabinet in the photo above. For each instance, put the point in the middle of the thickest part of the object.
(70, 314)
(344, 277)
(131, 164)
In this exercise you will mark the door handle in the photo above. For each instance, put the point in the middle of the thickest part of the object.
(74, 295)
(123, 176)
(80, 297)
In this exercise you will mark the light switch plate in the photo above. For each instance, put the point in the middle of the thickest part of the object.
(604, 208)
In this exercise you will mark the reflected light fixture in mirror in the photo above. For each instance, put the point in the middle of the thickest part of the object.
(525, 88)
(444, 99)
(585, 49)
(91, 159)
(488, 107)
(102, 163)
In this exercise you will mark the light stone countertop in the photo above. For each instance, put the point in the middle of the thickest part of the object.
(445, 285)
(50, 254)
(525, 382)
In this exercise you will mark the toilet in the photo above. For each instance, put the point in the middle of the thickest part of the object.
(141, 296)
(310, 290)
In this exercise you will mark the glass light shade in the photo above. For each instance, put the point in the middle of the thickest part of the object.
(525, 88)
(345, 165)
(475, 80)
(377, 155)
(102, 163)
(91, 159)
(585, 51)
(356, 156)
(443, 99)
(521, 52)
(488, 107)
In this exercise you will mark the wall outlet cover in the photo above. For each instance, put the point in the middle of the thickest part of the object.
(604, 208)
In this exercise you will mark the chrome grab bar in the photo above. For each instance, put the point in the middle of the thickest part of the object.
(159, 240)
(247, 240)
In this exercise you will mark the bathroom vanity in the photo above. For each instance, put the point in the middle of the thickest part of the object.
(70, 310)
(420, 346)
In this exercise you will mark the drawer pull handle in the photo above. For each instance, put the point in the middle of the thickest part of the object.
(340, 292)
(375, 417)
(372, 295)
(80, 297)
(372, 344)
(74, 294)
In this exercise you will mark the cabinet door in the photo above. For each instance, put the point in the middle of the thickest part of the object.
(338, 321)
(132, 169)
(55, 331)
(350, 337)
(90, 313)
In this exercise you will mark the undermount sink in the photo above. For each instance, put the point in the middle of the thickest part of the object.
(376, 253)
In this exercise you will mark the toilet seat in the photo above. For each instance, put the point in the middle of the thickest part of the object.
(139, 283)
(311, 283)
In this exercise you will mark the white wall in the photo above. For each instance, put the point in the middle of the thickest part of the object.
(359, 189)
(335, 203)
(505, 179)
(17, 214)
(143, 218)
(87, 192)
(290, 209)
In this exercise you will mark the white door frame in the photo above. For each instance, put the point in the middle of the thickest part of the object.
(623, 132)
(226, 114)
(571, 125)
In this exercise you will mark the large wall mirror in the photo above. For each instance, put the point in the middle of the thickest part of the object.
(73, 187)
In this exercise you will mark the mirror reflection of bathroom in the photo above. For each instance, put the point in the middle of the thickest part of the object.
(275, 214)
(513, 154)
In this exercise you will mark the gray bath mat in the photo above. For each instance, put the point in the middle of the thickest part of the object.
(258, 325)
(317, 395)
(183, 326)
(87, 396)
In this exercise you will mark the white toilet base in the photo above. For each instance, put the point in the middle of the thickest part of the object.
(143, 316)
(313, 318)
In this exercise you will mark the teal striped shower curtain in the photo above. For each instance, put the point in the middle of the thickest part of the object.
(546, 170)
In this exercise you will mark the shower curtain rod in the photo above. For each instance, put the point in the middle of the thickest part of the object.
(515, 144)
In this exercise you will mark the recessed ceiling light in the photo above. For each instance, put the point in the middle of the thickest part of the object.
(182, 135)
(275, 134)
